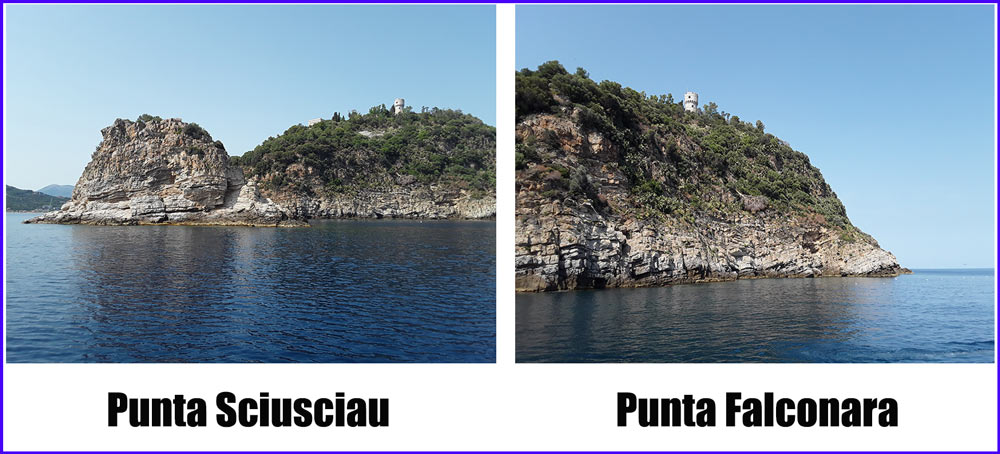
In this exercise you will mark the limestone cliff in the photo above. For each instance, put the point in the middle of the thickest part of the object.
(437, 164)
(619, 189)
(392, 201)
(155, 171)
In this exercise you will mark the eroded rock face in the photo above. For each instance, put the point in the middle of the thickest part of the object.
(563, 241)
(385, 194)
(165, 172)
(394, 202)
(563, 247)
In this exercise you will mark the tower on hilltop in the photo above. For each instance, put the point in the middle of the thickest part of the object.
(398, 105)
(690, 101)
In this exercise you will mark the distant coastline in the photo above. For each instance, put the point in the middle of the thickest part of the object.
(28, 201)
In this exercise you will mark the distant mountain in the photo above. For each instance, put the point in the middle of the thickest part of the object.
(27, 200)
(58, 190)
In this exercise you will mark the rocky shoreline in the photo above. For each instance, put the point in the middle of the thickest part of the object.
(568, 243)
(392, 204)
(616, 188)
(165, 172)
(566, 249)
(168, 172)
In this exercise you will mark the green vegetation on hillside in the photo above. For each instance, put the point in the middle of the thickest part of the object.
(27, 200)
(364, 150)
(675, 161)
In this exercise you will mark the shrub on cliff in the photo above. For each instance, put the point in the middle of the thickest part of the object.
(195, 131)
(365, 150)
(721, 158)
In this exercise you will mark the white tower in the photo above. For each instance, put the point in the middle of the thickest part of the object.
(690, 101)
(397, 106)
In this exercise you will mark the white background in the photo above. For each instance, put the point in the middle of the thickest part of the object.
(500, 406)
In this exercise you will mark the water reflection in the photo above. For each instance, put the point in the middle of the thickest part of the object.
(767, 320)
(340, 291)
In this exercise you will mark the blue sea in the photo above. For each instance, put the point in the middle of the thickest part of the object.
(340, 291)
(931, 316)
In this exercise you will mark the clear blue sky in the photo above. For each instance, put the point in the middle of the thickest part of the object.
(894, 104)
(242, 72)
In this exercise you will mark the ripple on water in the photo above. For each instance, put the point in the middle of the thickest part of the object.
(930, 316)
(341, 291)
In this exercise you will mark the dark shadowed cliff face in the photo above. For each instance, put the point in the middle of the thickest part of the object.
(155, 171)
(430, 165)
(618, 189)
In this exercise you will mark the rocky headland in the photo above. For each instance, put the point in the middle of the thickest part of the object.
(437, 164)
(156, 171)
(619, 189)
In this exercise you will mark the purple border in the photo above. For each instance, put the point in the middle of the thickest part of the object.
(514, 2)
(523, 2)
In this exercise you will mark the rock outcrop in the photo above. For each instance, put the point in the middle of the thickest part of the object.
(420, 202)
(619, 189)
(165, 172)
(561, 246)
(569, 241)
(566, 241)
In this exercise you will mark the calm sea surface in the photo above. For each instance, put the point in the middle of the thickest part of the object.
(929, 316)
(340, 291)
